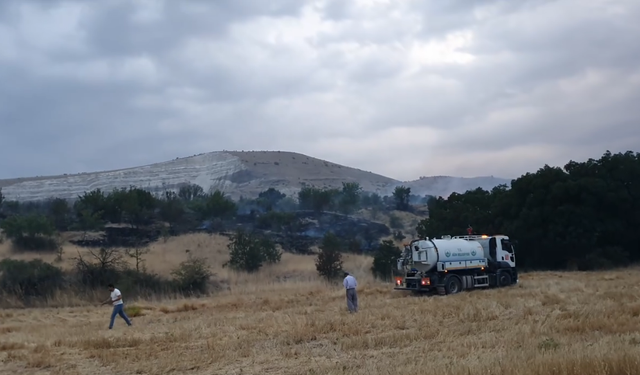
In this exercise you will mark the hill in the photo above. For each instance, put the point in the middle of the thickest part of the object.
(235, 173)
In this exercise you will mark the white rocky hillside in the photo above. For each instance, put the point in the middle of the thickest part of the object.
(235, 173)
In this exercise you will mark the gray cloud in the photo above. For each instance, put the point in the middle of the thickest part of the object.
(402, 89)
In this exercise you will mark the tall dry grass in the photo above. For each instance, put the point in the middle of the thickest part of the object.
(284, 320)
(166, 255)
(162, 258)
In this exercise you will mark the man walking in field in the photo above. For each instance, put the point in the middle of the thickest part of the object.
(350, 285)
(118, 306)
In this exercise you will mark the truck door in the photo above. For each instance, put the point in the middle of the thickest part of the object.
(507, 250)
(492, 249)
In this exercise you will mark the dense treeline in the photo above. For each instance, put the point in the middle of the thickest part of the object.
(583, 216)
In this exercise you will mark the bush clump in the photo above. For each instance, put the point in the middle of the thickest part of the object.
(30, 232)
(33, 278)
(249, 251)
(192, 276)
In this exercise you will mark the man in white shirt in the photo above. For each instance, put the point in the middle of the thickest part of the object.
(350, 285)
(118, 306)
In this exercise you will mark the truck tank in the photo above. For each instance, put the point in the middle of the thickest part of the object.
(425, 254)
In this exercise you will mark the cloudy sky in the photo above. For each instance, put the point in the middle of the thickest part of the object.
(402, 88)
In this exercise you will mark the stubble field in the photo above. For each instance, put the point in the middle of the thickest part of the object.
(550, 323)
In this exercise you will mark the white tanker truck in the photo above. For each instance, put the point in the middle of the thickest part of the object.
(450, 265)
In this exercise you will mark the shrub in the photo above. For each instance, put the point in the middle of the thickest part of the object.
(249, 251)
(133, 311)
(30, 232)
(34, 278)
(548, 344)
(107, 265)
(192, 276)
(137, 283)
(102, 268)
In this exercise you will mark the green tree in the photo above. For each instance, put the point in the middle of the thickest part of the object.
(401, 197)
(329, 260)
(137, 254)
(92, 204)
(33, 278)
(133, 206)
(583, 215)
(350, 197)
(30, 232)
(269, 198)
(249, 251)
(60, 212)
(385, 260)
(305, 198)
(369, 200)
(11, 207)
(215, 206)
(87, 220)
(287, 204)
(171, 208)
(192, 276)
(373, 202)
(454, 215)
(190, 192)
(315, 199)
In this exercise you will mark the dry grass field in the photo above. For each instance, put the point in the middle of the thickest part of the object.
(283, 320)
(164, 256)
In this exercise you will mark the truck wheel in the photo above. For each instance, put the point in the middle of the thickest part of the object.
(452, 285)
(504, 279)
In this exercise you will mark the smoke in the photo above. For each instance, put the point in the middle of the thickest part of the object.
(315, 232)
(443, 186)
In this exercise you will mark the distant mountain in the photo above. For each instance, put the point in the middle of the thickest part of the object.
(235, 173)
